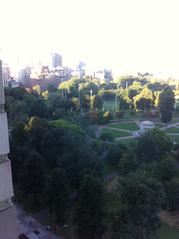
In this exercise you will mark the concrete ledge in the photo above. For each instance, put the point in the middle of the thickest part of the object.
(8, 224)
(4, 137)
(6, 187)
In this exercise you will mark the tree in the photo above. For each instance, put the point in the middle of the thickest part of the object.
(115, 153)
(37, 89)
(172, 191)
(147, 149)
(96, 102)
(39, 108)
(107, 136)
(17, 93)
(32, 178)
(166, 104)
(153, 145)
(128, 163)
(141, 198)
(35, 130)
(167, 169)
(90, 212)
(57, 194)
(144, 100)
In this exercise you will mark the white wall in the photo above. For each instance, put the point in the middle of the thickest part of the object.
(6, 187)
(1, 92)
(4, 138)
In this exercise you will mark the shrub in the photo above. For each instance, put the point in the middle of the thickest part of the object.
(107, 116)
(92, 117)
(107, 137)
(119, 114)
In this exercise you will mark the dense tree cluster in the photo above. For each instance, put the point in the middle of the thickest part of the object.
(58, 161)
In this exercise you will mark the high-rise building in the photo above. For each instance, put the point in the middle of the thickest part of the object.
(6, 75)
(8, 221)
(56, 60)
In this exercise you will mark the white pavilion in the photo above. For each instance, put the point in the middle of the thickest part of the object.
(146, 126)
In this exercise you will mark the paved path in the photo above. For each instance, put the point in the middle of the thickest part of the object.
(117, 129)
(126, 137)
(170, 126)
(29, 225)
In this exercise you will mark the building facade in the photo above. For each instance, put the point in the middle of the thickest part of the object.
(56, 60)
(8, 221)
(6, 76)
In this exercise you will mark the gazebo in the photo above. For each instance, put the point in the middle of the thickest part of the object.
(146, 125)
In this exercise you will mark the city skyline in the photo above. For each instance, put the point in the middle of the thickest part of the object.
(138, 35)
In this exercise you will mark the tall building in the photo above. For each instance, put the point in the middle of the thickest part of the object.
(8, 221)
(56, 60)
(24, 76)
(6, 75)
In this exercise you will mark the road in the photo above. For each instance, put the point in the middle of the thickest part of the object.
(31, 227)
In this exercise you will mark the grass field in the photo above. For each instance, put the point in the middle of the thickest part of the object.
(109, 105)
(127, 126)
(127, 141)
(172, 130)
(174, 137)
(115, 133)
(159, 125)
(167, 232)
(175, 120)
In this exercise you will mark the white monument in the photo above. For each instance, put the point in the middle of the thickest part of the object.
(8, 221)
(146, 126)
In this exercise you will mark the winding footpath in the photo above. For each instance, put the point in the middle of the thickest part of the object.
(109, 126)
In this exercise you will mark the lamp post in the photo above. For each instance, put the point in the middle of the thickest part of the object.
(91, 93)
(116, 98)
(79, 96)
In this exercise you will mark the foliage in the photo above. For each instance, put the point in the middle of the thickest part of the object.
(115, 153)
(144, 100)
(96, 102)
(119, 114)
(172, 189)
(141, 199)
(67, 125)
(32, 179)
(106, 136)
(90, 212)
(153, 145)
(57, 193)
(166, 104)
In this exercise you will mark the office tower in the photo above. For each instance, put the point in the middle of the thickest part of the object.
(56, 60)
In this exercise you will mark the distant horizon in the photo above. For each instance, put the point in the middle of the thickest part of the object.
(132, 36)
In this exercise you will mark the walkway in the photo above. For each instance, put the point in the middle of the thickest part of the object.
(109, 126)
(31, 227)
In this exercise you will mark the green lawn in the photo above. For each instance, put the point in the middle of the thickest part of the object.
(115, 133)
(159, 125)
(168, 232)
(174, 137)
(175, 120)
(127, 126)
(108, 105)
(127, 141)
(172, 130)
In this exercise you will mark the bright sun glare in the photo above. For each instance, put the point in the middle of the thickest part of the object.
(138, 35)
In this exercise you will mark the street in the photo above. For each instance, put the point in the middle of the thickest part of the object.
(31, 227)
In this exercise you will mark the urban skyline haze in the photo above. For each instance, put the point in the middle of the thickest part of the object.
(130, 35)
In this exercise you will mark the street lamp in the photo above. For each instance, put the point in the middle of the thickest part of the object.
(116, 98)
(91, 93)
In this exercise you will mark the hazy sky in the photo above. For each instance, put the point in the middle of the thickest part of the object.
(139, 35)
